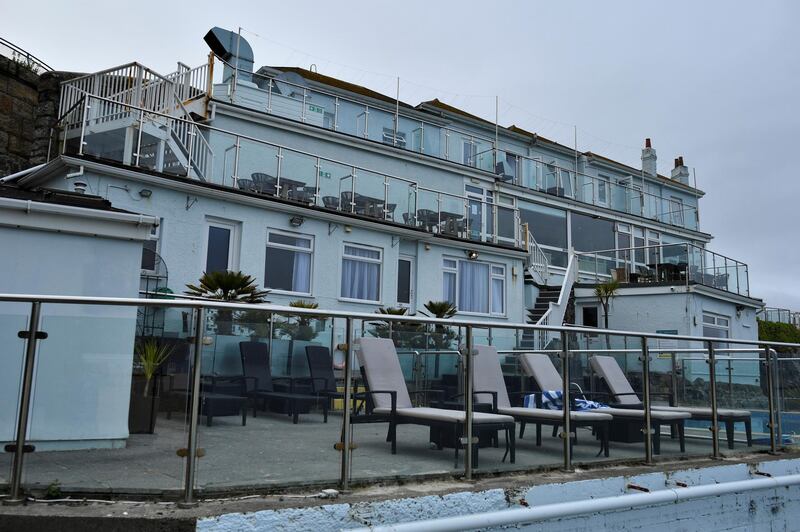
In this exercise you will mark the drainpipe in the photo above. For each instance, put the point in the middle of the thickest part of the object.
(587, 506)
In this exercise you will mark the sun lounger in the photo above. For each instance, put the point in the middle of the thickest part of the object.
(541, 368)
(391, 401)
(488, 380)
(619, 386)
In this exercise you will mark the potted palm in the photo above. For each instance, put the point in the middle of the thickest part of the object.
(442, 336)
(229, 286)
(148, 357)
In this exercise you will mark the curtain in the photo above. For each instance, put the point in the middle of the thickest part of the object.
(301, 272)
(497, 296)
(449, 288)
(360, 279)
(473, 287)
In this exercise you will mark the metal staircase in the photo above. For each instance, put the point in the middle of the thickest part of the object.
(550, 307)
(136, 116)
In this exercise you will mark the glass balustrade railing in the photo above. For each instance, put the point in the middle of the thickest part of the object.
(183, 148)
(666, 263)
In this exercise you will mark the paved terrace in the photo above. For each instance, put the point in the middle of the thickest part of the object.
(271, 452)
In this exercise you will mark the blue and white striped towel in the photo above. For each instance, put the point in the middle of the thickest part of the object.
(553, 400)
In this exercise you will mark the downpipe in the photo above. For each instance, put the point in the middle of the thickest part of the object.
(588, 506)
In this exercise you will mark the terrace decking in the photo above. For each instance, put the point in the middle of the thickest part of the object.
(270, 453)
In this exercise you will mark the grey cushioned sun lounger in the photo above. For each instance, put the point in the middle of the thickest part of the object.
(541, 368)
(487, 378)
(619, 386)
(392, 402)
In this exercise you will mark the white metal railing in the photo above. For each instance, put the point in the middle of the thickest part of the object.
(537, 261)
(191, 83)
(554, 315)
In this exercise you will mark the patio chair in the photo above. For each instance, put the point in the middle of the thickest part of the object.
(264, 183)
(391, 401)
(488, 380)
(544, 373)
(323, 381)
(258, 382)
(619, 386)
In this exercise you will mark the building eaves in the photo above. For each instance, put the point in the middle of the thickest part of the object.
(59, 197)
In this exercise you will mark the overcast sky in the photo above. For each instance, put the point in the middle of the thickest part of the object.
(717, 82)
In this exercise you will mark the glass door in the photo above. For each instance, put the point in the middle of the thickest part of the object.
(405, 283)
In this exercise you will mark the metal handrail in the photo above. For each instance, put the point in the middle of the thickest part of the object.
(280, 147)
(28, 58)
(366, 316)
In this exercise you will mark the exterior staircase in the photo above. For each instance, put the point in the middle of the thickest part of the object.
(550, 308)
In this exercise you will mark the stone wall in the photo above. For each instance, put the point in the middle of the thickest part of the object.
(28, 111)
(19, 97)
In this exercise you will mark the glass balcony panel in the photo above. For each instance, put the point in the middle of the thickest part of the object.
(410, 134)
(381, 126)
(551, 181)
(506, 224)
(96, 419)
(292, 416)
(287, 101)
(451, 217)
(484, 155)
(427, 216)
(370, 197)
(320, 109)
(351, 118)
(298, 177)
(529, 173)
(334, 178)
(585, 189)
(508, 166)
(402, 201)
(14, 317)
(433, 140)
(258, 167)
(107, 131)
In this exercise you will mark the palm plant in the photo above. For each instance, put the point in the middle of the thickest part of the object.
(605, 292)
(227, 286)
(403, 334)
(301, 328)
(443, 336)
(150, 356)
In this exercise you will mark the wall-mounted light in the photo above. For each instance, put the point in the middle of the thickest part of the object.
(471, 254)
(348, 229)
(427, 246)
(145, 193)
(296, 221)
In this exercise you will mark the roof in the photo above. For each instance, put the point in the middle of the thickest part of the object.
(340, 84)
(436, 102)
(634, 170)
(59, 197)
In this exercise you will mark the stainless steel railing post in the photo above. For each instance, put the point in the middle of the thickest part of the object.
(347, 429)
(648, 423)
(771, 398)
(194, 411)
(712, 377)
(566, 432)
(468, 404)
(32, 335)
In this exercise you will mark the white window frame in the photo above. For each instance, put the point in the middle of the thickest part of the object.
(492, 276)
(606, 185)
(378, 261)
(676, 209)
(233, 245)
(309, 250)
(412, 279)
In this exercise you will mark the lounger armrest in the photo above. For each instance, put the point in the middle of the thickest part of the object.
(392, 394)
(537, 397)
(438, 393)
(213, 380)
(492, 393)
(312, 381)
(291, 381)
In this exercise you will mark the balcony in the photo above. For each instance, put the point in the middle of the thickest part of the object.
(394, 128)
(629, 198)
(667, 263)
(163, 138)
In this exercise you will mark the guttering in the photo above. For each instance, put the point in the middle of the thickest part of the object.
(32, 206)
(21, 173)
(587, 506)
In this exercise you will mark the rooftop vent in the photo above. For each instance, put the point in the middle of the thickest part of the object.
(234, 50)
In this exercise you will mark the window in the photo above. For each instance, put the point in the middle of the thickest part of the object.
(590, 317)
(470, 152)
(405, 280)
(676, 210)
(476, 287)
(549, 227)
(653, 247)
(288, 263)
(591, 234)
(222, 245)
(150, 249)
(602, 190)
(716, 326)
(361, 273)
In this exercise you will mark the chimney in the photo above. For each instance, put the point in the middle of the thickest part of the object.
(649, 159)
(681, 172)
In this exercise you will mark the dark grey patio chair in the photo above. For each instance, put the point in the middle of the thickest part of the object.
(619, 386)
(391, 401)
(330, 202)
(544, 373)
(323, 381)
(258, 382)
(488, 380)
(264, 183)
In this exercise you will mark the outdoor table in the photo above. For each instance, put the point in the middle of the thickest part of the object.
(450, 222)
